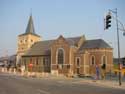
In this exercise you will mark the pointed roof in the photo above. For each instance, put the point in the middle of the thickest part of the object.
(30, 28)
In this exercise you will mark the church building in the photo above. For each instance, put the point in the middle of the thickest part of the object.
(63, 56)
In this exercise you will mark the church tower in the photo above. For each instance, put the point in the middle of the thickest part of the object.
(27, 39)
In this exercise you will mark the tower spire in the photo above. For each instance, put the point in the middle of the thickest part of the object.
(30, 26)
(30, 11)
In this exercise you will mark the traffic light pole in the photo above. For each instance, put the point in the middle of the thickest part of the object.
(118, 49)
(115, 12)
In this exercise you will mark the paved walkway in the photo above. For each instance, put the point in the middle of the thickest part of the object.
(101, 83)
(104, 83)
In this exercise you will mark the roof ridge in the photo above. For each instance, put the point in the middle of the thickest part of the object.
(73, 37)
(94, 39)
(56, 39)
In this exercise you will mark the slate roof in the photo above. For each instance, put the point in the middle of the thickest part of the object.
(97, 43)
(73, 41)
(40, 48)
(43, 47)
(30, 28)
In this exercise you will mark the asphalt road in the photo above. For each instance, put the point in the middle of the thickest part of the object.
(11, 84)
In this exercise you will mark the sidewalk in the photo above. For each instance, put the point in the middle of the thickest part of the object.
(104, 83)
(101, 83)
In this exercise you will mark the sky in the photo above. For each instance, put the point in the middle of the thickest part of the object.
(52, 18)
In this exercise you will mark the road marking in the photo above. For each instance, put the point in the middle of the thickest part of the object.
(43, 91)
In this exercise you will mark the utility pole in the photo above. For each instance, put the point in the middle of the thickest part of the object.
(118, 48)
(107, 22)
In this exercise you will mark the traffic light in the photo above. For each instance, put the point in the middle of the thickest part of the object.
(108, 21)
(124, 33)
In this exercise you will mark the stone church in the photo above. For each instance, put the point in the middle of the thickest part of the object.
(62, 56)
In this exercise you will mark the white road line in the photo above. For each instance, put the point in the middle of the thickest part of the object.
(43, 91)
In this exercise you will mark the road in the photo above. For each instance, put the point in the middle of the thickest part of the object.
(12, 84)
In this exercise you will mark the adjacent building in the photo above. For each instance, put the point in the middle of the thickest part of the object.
(117, 66)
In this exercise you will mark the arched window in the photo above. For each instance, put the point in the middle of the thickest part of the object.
(60, 56)
(104, 60)
(78, 61)
(92, 60)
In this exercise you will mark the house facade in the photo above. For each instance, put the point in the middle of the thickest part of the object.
(68, 56)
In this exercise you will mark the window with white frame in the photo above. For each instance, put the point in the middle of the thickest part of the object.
(104, 60)
(60, 56)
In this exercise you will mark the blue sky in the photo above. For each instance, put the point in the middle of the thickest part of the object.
(59, 17)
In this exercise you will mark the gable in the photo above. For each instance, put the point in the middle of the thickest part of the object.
(61, 40)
